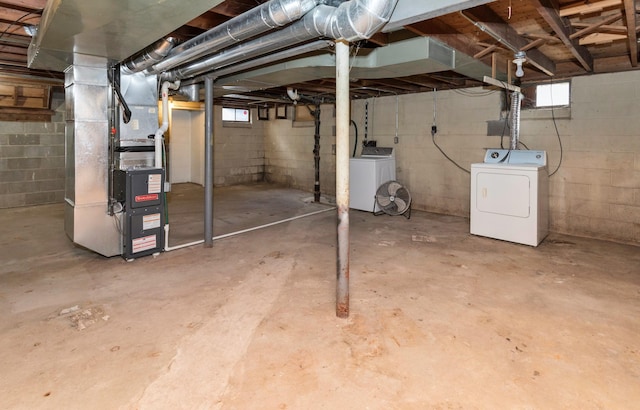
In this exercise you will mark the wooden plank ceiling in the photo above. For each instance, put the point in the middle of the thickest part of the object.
(562, 39)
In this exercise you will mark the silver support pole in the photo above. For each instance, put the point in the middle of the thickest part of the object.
(208, 162)
(342, 176)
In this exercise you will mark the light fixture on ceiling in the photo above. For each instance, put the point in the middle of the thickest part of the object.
(520, 57)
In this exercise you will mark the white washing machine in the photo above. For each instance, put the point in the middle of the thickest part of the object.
(510, 196)
(373, 168)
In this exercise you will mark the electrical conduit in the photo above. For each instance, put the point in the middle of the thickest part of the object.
(227, 235)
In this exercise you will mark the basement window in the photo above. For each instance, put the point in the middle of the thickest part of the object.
(552, 95)
(547, 101)
(238, 115)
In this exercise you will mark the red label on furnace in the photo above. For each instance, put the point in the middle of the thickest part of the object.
(147, 197)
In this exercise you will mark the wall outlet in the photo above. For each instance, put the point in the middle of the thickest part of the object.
(333, 149)
(395, 140)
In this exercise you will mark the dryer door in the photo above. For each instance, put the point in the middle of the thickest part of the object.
(503, 194)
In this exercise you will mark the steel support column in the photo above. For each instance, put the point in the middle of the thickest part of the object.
(208, 162)
(342, 176)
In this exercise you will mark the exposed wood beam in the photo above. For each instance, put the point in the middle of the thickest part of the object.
(486, 51)
(630, 13)
(207, 20)
(14, 42)
(449, 80)
(419, 81)
(590, 28)
(443, 32)
(588, 8)
(606, 27)
(13, 62)
(601, 38)
(12, 6)
(547, 38)
(488, 21)
(14, 22)
(381, 39)
(534, 44)
(549, 12)
(448, 35)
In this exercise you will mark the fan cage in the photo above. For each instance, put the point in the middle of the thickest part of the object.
(393, 198)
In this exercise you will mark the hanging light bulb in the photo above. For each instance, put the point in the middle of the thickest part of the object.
(520, 57)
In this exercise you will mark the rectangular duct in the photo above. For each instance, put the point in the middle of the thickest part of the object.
(114, 29)
(413, 56)
(87, 97)
(411, 11)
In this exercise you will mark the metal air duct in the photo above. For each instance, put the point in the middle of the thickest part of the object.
(149, 56)
(352, 20)
(270, 15)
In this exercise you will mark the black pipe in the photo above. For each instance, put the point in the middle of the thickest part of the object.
(355, 144)
(316, 153)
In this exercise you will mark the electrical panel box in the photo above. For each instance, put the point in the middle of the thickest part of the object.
(141, 192)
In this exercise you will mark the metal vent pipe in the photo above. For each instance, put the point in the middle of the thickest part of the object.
(270, 15)
(352, 20)
(149, 56)
(516, 97)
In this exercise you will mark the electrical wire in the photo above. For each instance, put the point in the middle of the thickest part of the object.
(434, 131)
(355, 144)
(355, 54)
(555, 125)
(433, 139)
(17, 21)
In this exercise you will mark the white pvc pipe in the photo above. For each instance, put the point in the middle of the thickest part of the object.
(165, 120)
(168, 248)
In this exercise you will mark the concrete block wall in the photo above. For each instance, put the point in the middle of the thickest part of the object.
(595, 192)
(289, 152)
(239, 153)
(435, 183)
(32, 168)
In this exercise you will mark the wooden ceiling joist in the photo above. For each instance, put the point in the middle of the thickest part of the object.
(549, 12)
(590, 28)
(601, 38)
(630, 13)
(589, 7)
(446, 34)
(488, 21)
(17, 7)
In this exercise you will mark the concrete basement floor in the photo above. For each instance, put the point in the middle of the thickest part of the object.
(439, 319)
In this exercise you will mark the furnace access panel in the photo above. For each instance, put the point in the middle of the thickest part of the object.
(141, 193)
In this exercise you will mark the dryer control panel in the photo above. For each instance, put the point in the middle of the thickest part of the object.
(515, 157)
